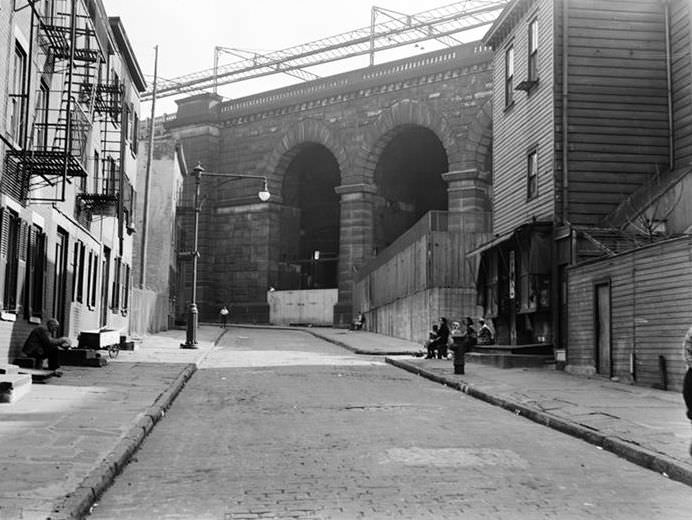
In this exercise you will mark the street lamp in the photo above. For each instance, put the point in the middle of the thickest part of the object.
(193, 313)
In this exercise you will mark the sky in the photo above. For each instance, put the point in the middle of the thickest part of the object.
(186, 32)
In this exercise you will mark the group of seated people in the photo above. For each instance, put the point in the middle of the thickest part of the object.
(441, 338)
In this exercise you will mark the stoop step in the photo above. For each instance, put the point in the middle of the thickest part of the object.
(506, 360)
(13, 385)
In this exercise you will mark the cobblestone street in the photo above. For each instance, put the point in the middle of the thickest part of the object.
(279, 424)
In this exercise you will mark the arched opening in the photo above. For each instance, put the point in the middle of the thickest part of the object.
(309, 248)
(408, 175)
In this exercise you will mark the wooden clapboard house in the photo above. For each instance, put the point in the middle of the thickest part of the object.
(591, 112)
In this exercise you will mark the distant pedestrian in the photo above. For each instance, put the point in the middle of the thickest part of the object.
(359, 322)
(687, 383)
(42, 343)
(464, 339)
(223, 315)
(485, 334)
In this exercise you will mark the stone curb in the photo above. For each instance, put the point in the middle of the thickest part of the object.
(316, 333)
(629, 451)
(78, 503)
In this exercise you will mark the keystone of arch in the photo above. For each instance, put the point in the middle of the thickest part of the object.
(305, 132)
(406, 112)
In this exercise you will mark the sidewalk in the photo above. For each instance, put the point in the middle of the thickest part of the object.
(643, 425)
(72, 434)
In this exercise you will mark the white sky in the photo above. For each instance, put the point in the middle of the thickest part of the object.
(187, 31)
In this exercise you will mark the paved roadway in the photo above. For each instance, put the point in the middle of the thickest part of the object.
(280, 424)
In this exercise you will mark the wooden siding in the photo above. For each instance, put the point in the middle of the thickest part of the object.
(618, 122)
(681, 48)
(529, 122)
(429, 278)
(651, 309)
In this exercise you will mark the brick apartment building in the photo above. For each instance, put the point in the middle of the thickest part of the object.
(69, 91)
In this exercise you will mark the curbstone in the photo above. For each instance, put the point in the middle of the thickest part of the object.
(627, 450)
(77, 504)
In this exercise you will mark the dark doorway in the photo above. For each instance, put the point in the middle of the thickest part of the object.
(105, 283)
(60, 277)
(309, 249)
(408, 176)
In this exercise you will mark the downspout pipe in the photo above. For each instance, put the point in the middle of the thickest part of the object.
(669, 85)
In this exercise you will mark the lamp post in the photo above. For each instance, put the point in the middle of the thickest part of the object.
(193, 312)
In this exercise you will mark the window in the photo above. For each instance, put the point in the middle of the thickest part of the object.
(10, 249)
(532, 175)
(135, 133)
(509, 76)
(17, 98)
(41, 137)
(115, 293)
(97, 170)
(126, 123)
(80, 274)
(78, 270)
(94, 281)
(533, 50)
(126, 288)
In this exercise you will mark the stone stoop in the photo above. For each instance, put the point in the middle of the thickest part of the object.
(512, 356)
(508, 360)
(13, 384)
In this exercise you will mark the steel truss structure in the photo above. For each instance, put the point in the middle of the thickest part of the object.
(397, 29)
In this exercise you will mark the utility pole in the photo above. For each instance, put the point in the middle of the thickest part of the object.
(147, 179)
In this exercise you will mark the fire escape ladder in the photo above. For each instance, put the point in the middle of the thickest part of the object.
(57, 146)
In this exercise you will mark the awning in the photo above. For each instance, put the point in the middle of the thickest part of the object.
(506, 236)
(489, 245)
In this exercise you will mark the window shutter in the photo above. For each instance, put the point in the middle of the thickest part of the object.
(30, 273)
(4, 237)
(21, 265)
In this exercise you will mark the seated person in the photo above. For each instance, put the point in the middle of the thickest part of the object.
(432, 336)
(438, 344)
(485, 335)
(359, 322)
(42, 344)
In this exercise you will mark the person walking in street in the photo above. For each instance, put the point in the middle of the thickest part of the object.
(687, 382)
(42, 343)
(223, 315)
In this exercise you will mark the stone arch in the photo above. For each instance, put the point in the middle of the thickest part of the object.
(403, 113)
(290, 144)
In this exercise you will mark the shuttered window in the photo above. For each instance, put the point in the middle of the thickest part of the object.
(11, 230)
(94, 282)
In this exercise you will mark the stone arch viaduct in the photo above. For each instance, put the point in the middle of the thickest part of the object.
(352, 160)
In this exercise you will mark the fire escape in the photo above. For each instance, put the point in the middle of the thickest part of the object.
(58, 149)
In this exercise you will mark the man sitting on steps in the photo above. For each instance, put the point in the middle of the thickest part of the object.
(42, 344)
